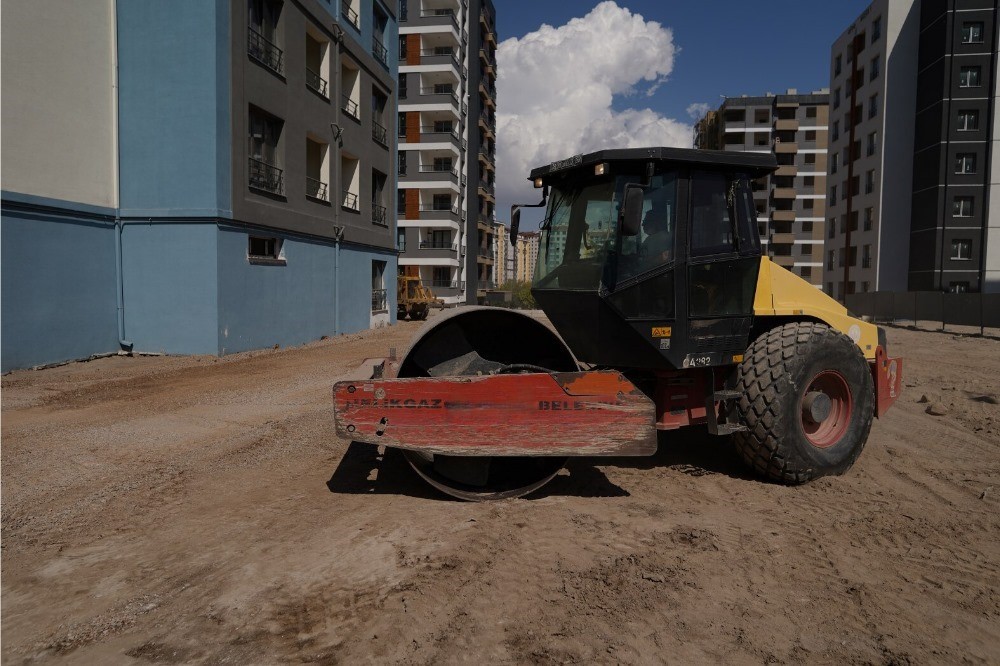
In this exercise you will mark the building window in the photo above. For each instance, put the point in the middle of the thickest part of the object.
(836, 98)
(972, 32)
(265, 163)
(836, 130)
(263, 36)
(873, 69)
(833, 193)
(866, 256)
(379, 216)
(264, 249)
(961, 207)
(810, 135)
(968, 77)
(810, 112)
(968, 120)
(810, 158)
(762, 116)
(829, 260)
(401, 87)
(843, 188)
(379, 302)
(837, 65)
(961, 249)
(809, 181)
(876, 29)
(872, 106)
(872, 144)
(832, 228)
(870, 181)
(401, 162)
(402, 48)
(807, 204)
(869, 218)
(442, 202)
(401, 239)
(401, 203)
(834, 162)
(965, 163)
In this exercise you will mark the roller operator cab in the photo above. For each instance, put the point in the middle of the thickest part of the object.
(649, 258)
(650, 269)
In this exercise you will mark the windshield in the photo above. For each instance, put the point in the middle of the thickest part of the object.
(577, 248)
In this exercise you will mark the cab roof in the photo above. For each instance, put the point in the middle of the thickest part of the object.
(756, 164)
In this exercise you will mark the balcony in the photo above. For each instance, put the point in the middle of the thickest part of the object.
(351, 16)
(350, 107)
(783, 125)
(432, 57)
(485, 255)
(316, 83)
(432, 134)
(316, 189)
(782, 239)
(785, 147)
(438, 96)
(379, 51)
(438, 245)
(782, 215)
(432, 212)
(789, 170)
(784, 193)
(266, 177)
(429, 172)
(783, 260)
(435, 17)
(379, 215)
(380, 134)
(262, 50)
(446, 284)
(351, 202)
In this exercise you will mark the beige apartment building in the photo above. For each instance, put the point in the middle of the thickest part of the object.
(525, 256)
(791, 203)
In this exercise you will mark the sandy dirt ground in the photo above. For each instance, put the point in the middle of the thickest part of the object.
(201, 510)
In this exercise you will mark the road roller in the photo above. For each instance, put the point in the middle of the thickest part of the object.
(661, 312)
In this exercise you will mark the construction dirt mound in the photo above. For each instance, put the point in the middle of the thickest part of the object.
(196, 509)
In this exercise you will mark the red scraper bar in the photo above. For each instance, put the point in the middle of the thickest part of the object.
(560, 414)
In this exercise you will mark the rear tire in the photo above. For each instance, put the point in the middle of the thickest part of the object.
(807, 403)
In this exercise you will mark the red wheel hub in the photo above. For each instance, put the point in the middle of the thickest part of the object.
(826, 409)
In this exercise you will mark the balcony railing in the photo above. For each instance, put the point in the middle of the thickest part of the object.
(350, 107)
(379, 300)
(267, 177)
(447, 284)
(379, 134)
(316, 82)
(438, 208)
(265, 52)
(351, 16)
(438, 13)
(379, 51)
(436, 91)
(350, 202)
(378, 215)
(437, 245)
(429, 168)
(866, 262)
(316, 189)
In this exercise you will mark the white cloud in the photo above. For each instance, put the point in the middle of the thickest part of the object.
(698, 109)
(555, 91)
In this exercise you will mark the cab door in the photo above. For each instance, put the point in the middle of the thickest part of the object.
(723, 261)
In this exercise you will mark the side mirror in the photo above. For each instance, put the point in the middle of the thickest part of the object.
(631, 215)
(515, 223)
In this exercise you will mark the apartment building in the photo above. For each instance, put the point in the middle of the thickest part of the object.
(503, 254)
(791, 202)
(954, 242)
(447, 135)
(873, 90)
(526, 255)
(195, 176)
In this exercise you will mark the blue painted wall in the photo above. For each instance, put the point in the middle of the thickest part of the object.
(264, 305)
(171, 288)
(58, 293)
(174, 115)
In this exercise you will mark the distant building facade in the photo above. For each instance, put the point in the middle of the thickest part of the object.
(447, 144)
(915, 126)
(195, 176)
(790, 203)
(526, 255)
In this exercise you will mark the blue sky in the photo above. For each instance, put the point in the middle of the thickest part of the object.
(726, 47)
